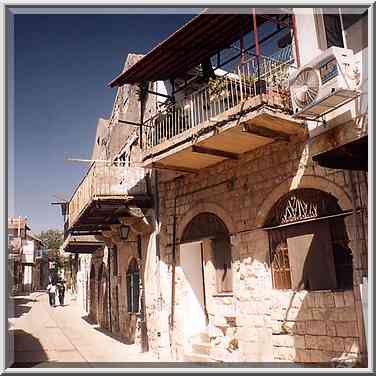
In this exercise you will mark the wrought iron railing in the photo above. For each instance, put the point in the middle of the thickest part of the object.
(104, 180)
(257, 75)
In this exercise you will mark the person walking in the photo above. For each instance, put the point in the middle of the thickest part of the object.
(51, 288)
(61, 291)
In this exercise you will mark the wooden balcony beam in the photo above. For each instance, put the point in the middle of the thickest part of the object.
(214, 152)
(161, 166)
(265, 132)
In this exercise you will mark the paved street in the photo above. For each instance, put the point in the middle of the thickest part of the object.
(48, 336)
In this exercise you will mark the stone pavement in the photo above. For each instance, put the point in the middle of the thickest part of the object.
(47, 336)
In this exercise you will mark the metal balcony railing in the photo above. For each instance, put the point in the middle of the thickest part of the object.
(105, 181)
(258, 75)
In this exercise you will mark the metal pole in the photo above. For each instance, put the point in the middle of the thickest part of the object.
(296, 45)
(241, 43)
(203, 283)
(109, 287)
(257, 45)
(144, 339)
(255, 32)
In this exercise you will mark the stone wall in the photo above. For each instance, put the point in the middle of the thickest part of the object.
(241, 193)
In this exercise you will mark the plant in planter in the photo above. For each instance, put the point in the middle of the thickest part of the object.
(217, 87)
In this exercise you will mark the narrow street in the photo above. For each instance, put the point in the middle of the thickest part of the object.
(47, 336)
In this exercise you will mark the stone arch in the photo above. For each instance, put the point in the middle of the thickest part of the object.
(132, 260)
(309, 181)
(206, 207)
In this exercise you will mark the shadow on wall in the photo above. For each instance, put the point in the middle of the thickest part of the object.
(315, 321)
(28, 351)
(296, 298)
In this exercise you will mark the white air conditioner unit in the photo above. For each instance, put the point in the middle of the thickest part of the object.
(324, 83)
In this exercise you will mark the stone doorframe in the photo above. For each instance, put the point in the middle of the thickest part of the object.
(205, 207)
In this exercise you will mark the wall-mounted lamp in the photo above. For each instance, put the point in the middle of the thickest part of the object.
(124, 232)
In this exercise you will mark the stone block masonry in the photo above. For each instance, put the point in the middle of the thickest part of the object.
(303, 326)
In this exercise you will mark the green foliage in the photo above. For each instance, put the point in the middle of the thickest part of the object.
(216, 86)
(53, 239)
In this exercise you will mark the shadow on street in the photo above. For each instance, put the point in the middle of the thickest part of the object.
(18, 306)
(28, 351)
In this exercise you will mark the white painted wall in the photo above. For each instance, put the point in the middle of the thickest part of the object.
(310, 41)
(28, 251)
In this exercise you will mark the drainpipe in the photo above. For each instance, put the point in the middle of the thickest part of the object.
(144, 338)
(157, 243)
(295, 36)
(109, 288)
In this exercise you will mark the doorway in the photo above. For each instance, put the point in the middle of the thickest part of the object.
(206, 262)
(194, 294)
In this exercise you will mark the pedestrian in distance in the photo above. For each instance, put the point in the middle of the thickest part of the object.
(51, 288)
(61, 291)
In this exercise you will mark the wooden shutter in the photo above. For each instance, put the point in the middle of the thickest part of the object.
(222, 256)
(311, 257)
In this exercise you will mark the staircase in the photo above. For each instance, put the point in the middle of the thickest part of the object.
(200, 350)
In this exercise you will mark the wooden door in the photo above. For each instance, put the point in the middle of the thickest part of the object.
(194, 301)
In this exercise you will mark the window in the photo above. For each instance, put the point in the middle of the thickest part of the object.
(336, 24)
(309, 255)
(133, 287)
(333, 30)
(281, 275)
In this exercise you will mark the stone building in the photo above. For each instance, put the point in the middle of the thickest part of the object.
(106, 225)
(263, 216)
(233, 211)
(27, 267)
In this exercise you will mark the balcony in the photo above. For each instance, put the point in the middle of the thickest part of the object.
(104, 194)
(236, 112)
(81, 244)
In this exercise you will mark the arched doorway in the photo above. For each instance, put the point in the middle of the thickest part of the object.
(92, 301)
(308, 242)
(205, 237)
(102, 316)
(133, 287)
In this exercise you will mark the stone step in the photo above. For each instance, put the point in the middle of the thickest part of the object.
(198, 358)
(201, 348)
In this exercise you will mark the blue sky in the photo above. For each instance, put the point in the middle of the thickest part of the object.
(62, 66)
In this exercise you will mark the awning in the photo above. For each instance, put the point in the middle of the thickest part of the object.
(193, 43)
(351, 156)
(81, 244)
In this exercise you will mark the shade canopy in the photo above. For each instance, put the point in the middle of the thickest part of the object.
(351, 156)
(192, 44)
(81, 244)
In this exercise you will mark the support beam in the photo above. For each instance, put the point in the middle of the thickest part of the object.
(133, 123)
(160, 166)
(273, 20)
(214, 152)
(159, 94)
(265, 132)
